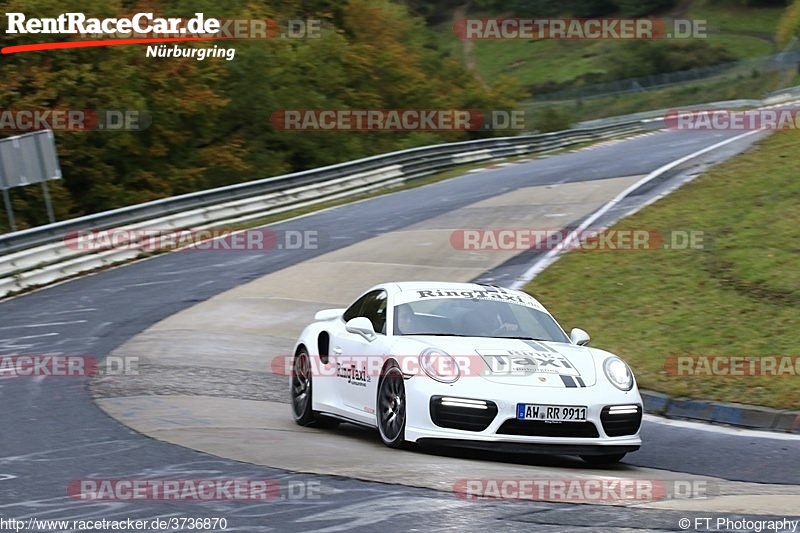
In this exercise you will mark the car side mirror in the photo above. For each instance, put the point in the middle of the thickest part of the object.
(361, 325)
(579, 337)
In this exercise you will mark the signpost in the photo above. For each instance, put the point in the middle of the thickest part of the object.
(26, 160)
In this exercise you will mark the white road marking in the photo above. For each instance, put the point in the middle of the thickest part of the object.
(44, 325)
(52, 334)
(550, 257)
(726, 430)
(66, 312)
(146, 283)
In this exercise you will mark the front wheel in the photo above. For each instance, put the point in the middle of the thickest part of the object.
(301, 390)
(603, 460)
(392, 407)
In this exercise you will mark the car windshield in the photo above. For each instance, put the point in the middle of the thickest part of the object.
(473, 317)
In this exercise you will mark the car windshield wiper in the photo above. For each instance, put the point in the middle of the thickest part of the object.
(519, 337)
(441, 334)
(523, 338)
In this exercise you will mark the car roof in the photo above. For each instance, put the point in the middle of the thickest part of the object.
(443, 285)
(407, 286)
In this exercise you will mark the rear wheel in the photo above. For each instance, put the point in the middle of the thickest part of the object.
(301, 391)
(392, 407)
(601, 460)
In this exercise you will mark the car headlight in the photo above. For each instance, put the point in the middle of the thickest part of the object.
(618, 373)
(439, 365)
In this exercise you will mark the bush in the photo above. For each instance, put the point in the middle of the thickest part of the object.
(553, 119)
(643, 58)
(640, 8)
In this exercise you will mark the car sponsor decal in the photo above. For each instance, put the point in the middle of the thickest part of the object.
(572, 381)
(354, 375)
(512, 362)
(489, 293)
(530, 362)
(538, 347)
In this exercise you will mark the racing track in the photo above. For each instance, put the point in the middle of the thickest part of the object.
(52, 431)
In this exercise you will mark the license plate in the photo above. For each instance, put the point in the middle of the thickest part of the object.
(551, 413)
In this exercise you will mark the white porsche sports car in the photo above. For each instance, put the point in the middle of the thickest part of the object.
(464, 364)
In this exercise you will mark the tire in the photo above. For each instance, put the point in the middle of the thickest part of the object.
(301, 394)
(391, 407)
(603, 460)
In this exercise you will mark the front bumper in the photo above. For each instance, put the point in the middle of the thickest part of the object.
(500, 430)
(528, 447)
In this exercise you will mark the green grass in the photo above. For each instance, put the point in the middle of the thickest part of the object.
(745, 86)
(739, 295)
(446, 41)
(731, 16)
(742, 46)
(534, 62)
(537, 62)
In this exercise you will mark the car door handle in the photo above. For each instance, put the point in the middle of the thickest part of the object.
(337, 350)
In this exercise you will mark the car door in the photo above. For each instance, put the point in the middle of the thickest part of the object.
(362, 358)
(328, 389)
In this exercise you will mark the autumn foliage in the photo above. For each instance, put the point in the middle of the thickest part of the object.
(211, 119)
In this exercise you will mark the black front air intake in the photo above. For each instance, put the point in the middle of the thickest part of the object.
(462, 413)
(539, 428)
(619, 420)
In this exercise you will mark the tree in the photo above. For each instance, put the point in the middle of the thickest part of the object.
(211, 119)
(789, 24)
(102, 170)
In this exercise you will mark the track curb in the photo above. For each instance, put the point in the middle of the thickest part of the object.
(721, 413)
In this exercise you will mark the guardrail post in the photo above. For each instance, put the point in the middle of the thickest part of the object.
(6, 198)
(48, 204)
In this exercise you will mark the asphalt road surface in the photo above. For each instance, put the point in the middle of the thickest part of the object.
(51, 432)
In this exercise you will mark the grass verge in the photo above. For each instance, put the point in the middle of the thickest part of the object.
(731, 16)
(744, 31)
(742, 87)
(738, 295)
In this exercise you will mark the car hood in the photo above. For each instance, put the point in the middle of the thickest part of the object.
(515, 361)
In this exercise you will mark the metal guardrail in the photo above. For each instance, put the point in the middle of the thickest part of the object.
(41, 255)
(411, 161)
(649, 117)
(782, 94)
(659, 113)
